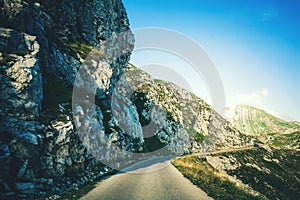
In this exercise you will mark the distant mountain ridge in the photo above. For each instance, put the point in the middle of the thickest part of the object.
(275, 131)
(251, 120)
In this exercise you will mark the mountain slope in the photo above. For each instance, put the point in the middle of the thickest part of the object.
(206, 127)
(252, 174)
(254, 121)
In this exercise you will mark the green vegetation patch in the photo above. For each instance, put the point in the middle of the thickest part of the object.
(77, 47)
(81, 48)
(198, 137)
(281, 140)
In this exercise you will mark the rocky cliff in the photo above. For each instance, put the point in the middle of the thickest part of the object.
(42, 45)
(71, 108)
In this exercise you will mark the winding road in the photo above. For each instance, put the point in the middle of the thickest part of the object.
(154, 179)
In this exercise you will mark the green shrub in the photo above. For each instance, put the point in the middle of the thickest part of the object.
(198, 137)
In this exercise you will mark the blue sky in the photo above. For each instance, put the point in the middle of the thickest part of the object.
(254, 44)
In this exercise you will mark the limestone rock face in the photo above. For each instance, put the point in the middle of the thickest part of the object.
(20, 104)
(43, 46)
(67, 28)
(21, 79)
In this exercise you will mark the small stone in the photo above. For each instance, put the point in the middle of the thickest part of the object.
(141, 149)
(37, 5)
(29, 105)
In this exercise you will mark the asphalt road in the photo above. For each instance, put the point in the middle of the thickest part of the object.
(154, 179)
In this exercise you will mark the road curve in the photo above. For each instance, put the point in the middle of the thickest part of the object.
(155, 179)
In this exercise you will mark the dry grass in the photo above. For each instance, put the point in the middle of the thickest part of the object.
(213, 182)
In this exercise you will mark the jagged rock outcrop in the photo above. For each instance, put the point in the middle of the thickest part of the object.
(21, 79)
(21, 100)
(43, 44)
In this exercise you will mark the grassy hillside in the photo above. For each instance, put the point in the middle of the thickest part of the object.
(289, 140)
(200, 173)
(268, 174)
(272, 130)
(252, 120)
